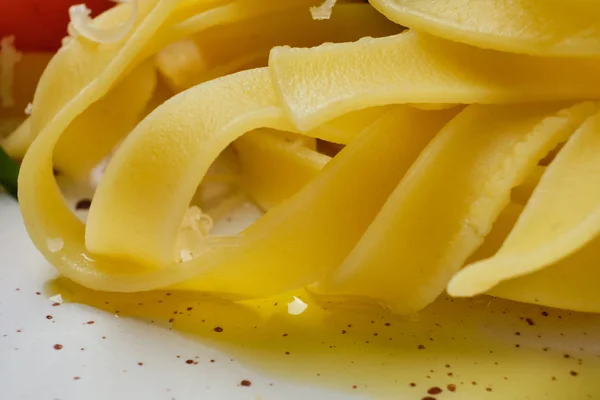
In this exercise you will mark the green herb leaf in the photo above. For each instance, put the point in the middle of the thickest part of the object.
(9, 173)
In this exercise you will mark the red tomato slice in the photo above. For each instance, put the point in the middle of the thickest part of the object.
(39, 25)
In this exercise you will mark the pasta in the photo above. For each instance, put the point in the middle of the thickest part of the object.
(468, 161)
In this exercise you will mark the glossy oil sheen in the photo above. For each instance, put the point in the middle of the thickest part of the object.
(482, 348)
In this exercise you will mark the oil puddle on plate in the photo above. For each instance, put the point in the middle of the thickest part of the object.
(483, 348)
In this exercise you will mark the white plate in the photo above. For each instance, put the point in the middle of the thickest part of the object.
(511, 351)
(107, 368)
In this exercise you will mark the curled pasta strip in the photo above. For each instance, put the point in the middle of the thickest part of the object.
(418, 68)
(556, 235)
(296, 165)
(78, 75)
(245, 43)
(80, 64)
(544, 28)
(441, 212)
(423, 186)
(294, 227)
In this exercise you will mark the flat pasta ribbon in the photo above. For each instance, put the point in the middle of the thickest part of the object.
(441, 211)
(543, 28)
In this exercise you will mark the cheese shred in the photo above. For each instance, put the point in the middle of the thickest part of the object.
(323, 11)
(82, 25)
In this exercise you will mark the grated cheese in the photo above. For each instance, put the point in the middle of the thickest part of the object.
(323, 11)
(82, 25)
(297, 306)
(55, 244)
(56, 299)
(9, 57)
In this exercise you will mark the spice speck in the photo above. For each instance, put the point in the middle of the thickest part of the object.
(434, 390)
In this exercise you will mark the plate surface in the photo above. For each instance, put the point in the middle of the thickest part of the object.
(102, 360)
(477, 349)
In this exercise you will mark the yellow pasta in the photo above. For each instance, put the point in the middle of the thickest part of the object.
(546, 28)
(448, 202)
(453, 133)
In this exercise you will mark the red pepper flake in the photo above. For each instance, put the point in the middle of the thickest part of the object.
(218, 329)
(103, 337)
(246, 383)
(387, 324)
(354, 387)
(285, 334)
(287, 353)
(434, 390)
(343, 332)
(451, 387)
(58, 346)
(529, 321)
(189, 308)
(553, 378)
(140, 363)
(38, 293)
(76, 378)
(450, 374)
(83, 204)
(421, 347)
(19, 331)
(189, 361)
(544, 313)
(168, 294)
(412, 384)
(212, 361)
(171, 320)
(474, 383)
(489, 389)
(90, 322)
(55, 304)
(48, 316)
(573, 373)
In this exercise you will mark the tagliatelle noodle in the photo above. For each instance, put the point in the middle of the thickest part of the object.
(418, 68)
(456, 190)
(82, 65)
(444, 207)
(94, 133)
(83, 269)
(275, 167)
(81, 61)
(559, 219)
(226, 48)
(544, 28)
